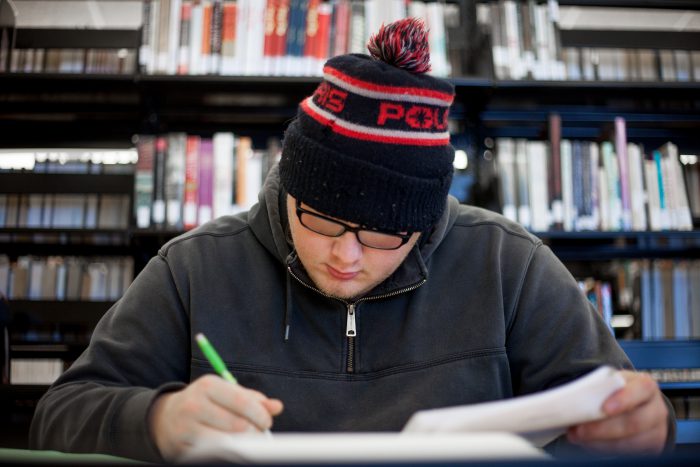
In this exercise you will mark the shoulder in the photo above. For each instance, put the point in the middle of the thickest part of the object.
(475, 221)
(223, 229)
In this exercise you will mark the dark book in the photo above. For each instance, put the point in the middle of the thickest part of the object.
(554, 176)
(158, 213)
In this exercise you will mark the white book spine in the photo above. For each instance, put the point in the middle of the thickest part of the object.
(173, 37)
(223, 174)
(196, 30)
(634, 155)
(567, 194)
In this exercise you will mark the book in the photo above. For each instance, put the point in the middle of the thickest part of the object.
(143, 180)
(189, 214)
(506, 170)
(539, 196)
(228, 38)
(521, 169)
(623, 170)
(636, 186)
(567, 185)
(158, 206)
(175, 179)
(183, 51)
(205, 195)
(224, 198)
(678, 196)
(35, 370)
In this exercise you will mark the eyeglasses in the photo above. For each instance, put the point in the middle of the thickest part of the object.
(332, 228)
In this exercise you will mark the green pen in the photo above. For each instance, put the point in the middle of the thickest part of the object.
(216, 362)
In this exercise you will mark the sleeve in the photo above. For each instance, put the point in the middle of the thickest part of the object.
(556, 335)
(139, 349)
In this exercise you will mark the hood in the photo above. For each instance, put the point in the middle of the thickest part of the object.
(268, 222)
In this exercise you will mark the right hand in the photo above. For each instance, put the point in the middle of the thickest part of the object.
(207, 406)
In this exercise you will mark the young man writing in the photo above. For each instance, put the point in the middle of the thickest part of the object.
(353, 294)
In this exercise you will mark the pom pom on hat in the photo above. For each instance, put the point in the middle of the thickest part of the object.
(404, 44)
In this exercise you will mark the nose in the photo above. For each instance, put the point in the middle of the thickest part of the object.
(347, 248)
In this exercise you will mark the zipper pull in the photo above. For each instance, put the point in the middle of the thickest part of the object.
(350, 329)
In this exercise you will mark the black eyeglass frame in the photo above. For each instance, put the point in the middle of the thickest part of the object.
(348, 228)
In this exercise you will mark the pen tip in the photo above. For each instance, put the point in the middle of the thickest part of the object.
(200, 337)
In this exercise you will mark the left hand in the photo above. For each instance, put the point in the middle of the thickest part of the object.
(635, 421)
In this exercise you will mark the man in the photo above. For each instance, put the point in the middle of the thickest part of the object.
(353, 294)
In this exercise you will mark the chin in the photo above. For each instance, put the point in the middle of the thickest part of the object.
(343, 291)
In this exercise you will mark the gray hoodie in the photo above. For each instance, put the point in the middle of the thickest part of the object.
(479, 310)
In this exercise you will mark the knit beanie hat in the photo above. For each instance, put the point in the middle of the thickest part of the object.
(371, 145)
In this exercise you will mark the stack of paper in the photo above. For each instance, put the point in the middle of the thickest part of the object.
(510, 428)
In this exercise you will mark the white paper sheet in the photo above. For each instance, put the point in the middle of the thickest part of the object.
(361, 447)
(539, 417)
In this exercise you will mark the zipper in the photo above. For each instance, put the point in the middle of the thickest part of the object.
(350, 332)
(351, 325)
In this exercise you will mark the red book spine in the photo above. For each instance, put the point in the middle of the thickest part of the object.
(270, 26)
(281, 27)
(191, 182)
(324, 26)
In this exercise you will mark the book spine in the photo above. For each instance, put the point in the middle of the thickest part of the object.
(146, 47)
(205, 199)
(224, 202)
(506, 166)
(664, 217)
(143, 181)
(554, 179)
(183, 56)
(243, 153)
(158, 214)
(216, 38)
(174, 36)
(191, 182)
(228, 38)
(175, 179)
(522, 163)
(269, 42)
(623, 164)
(311, 37)
(205, 49)
(341, 28)
(567, 189)
(281, 37)
(195, 47)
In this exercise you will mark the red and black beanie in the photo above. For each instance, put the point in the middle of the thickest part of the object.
(371, 145)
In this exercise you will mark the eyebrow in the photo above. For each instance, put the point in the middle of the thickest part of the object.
(312, 210)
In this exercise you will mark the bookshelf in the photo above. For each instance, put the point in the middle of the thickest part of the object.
(51, 109)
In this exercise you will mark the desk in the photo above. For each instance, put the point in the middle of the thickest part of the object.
(30, 457)
(44, 458)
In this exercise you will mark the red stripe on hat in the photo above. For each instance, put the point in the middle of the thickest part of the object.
(369, 136)
(399, 90)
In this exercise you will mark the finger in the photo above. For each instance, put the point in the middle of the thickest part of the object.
(647, 442)
(646, 417)
(240, 401)
(639, 388)
(273, 406)
(215, 416)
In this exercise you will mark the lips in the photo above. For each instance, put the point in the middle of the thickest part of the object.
(341, 275)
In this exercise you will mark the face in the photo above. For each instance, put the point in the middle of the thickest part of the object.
(342, 266)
